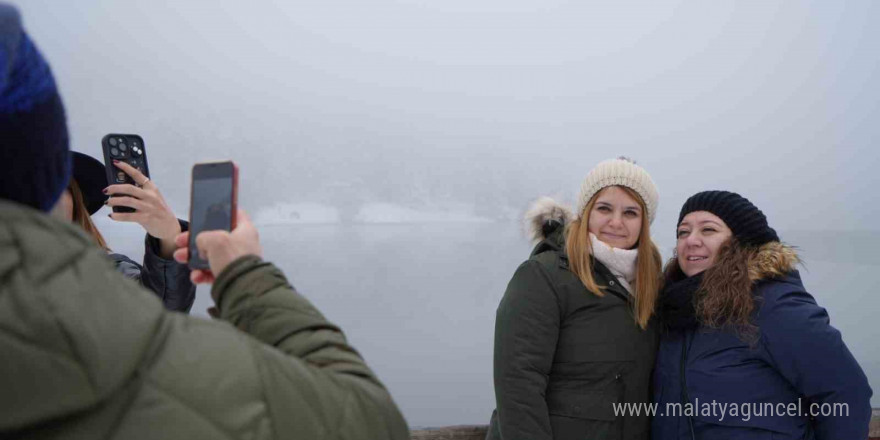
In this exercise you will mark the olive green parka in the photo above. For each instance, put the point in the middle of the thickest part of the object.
(564, 357)
(88, 354)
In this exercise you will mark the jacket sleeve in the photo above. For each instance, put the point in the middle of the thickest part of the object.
(526, 331)
(346, 400)
(168, 279)
(811, 355)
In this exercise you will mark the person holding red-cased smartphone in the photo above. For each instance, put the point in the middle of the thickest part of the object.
(87, 354)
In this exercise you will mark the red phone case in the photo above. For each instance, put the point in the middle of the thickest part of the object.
(232, 215)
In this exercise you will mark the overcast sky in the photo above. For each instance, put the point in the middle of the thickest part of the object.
(485, 102)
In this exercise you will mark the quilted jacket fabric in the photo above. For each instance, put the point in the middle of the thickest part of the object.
(88, 354)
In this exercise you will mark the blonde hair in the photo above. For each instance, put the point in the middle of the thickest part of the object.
(81, 215)
(648, 263)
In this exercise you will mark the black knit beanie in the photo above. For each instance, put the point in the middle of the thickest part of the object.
(745, 220)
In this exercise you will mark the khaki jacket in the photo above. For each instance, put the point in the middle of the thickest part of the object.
(87, 354)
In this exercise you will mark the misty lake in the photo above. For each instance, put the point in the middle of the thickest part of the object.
(418, 300)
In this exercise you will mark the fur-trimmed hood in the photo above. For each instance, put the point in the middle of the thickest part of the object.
(544, 216)
(773, 260)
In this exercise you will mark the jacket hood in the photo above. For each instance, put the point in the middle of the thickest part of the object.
(773, 260)
(544, 217)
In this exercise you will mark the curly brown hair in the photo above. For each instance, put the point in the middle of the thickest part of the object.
(725, 298)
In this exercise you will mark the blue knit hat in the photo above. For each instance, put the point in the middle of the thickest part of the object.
(34, 157)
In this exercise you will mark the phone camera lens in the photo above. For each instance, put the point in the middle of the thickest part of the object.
(122, 147)
(114, 152)
(112, 142)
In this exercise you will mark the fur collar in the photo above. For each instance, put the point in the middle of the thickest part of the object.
(724, 294)
(541, 215)
(772, 260)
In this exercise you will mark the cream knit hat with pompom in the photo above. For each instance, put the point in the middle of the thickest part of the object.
(623, 172)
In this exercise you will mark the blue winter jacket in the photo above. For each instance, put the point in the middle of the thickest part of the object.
(797, 381)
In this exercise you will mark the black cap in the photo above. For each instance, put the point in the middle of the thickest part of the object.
(745, 220)
(91, 177)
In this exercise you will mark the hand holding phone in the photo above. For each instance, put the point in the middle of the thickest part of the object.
(148, 207)
(213, 205)
(220, 247)
(127, 149)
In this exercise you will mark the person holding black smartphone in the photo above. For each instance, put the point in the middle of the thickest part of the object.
(87, 192)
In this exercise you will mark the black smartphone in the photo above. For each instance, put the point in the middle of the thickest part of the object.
(128, 148)
(213, 203)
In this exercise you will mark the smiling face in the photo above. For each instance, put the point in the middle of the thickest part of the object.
(616, 218)
(700, 235)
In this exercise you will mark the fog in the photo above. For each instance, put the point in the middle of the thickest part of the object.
(388, 148)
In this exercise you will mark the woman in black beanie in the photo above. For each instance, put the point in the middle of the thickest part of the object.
(746, 352)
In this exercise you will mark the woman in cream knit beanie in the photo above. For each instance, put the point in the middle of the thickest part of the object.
(619, 172)
(573, 333)
(606, 231)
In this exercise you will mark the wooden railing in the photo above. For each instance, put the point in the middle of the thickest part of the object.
(478, 432)
(464, 432)
(874, 433)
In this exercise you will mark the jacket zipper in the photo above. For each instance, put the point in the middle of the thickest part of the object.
(619, 295)
(684, 393)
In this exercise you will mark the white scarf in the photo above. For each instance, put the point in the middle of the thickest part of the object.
(621, 262)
